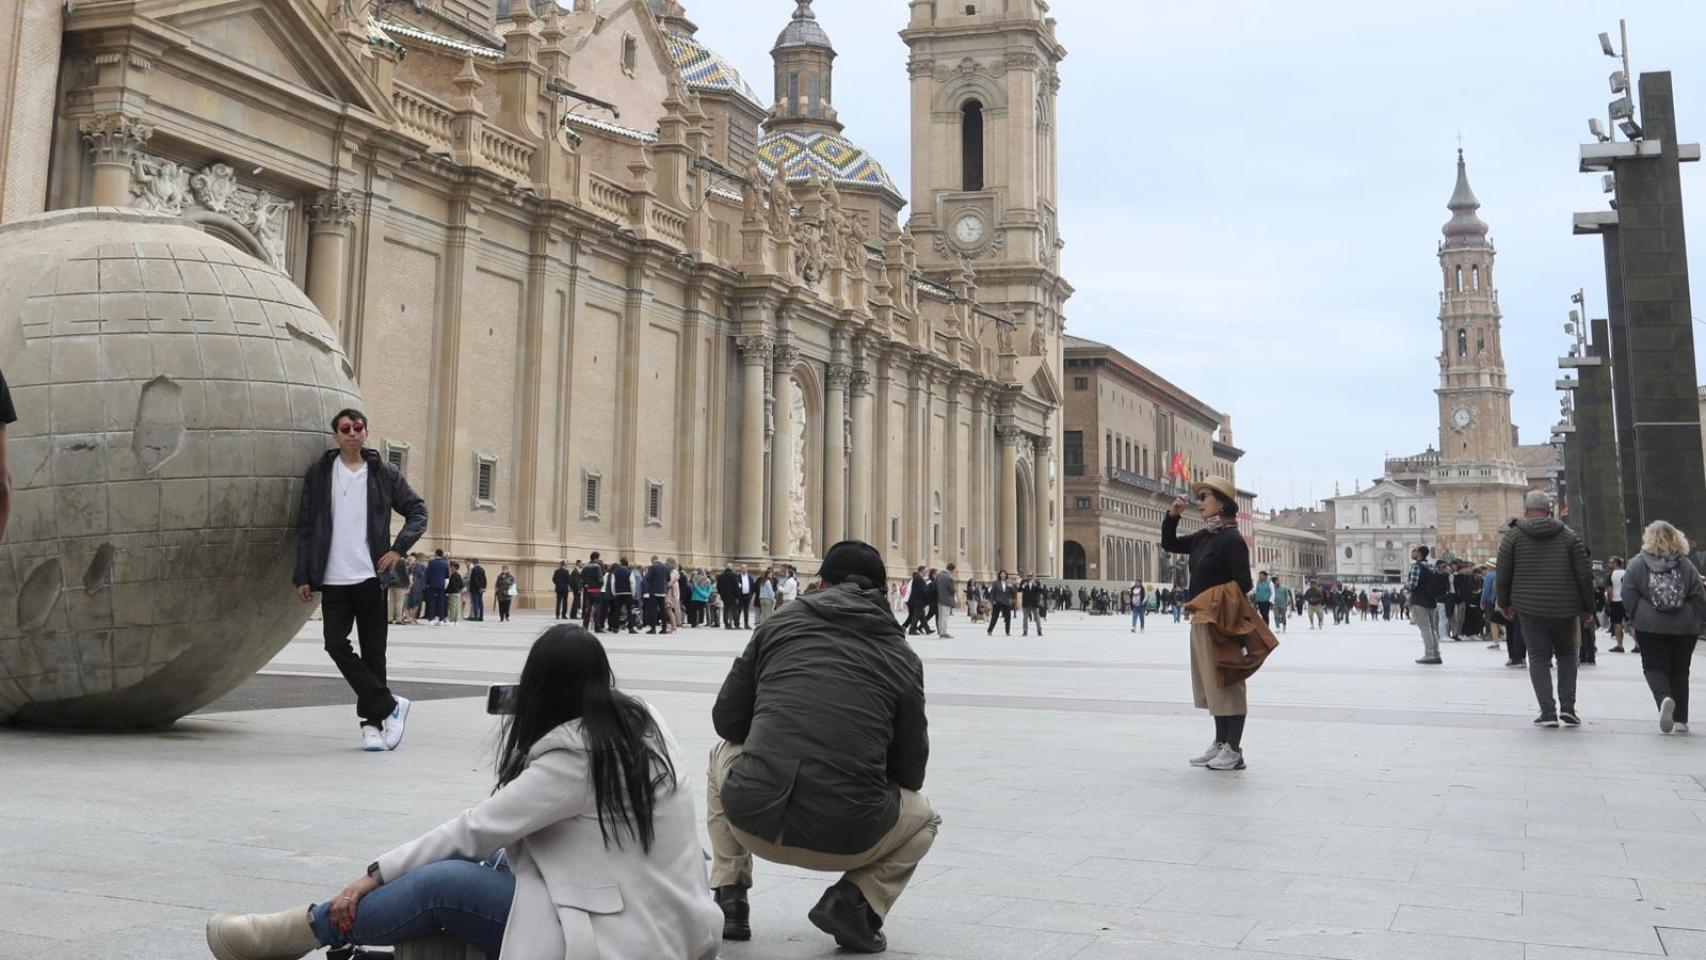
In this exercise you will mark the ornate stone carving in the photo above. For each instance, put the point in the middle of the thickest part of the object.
(811, 251)
(332, 209)
(838, 376)
(1009, 433)
(160, 186)
(164, 186)
(799, 523)
(1039, 340)
(786, 356)
(755, 349)
(781, 203)
(214, 187)
(920, 67)
(947, 249)
(114, 137)
(1004, 338)
(860, 382)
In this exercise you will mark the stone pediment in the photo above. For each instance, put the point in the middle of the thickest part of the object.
(290, 41)
(1043, 383)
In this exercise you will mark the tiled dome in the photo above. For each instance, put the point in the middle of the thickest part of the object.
(704, 69)
(799, 153)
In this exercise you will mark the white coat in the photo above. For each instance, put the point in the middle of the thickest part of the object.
(576, 899)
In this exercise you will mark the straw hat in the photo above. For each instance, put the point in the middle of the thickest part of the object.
(1221, 487)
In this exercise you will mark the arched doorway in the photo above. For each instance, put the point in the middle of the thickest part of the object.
(1073, 564)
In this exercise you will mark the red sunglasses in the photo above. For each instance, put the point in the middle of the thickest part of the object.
(350, 428)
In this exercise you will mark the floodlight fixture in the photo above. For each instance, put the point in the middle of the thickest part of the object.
(1608, 183)
(1570, 328)
(1622, 108)
(1605, 45)
(1597, 129)
(1630, 129)
(1619, 82)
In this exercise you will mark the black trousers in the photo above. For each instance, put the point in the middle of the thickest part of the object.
(1266, 609)
(731, 613)
(592, 611)
(575, 606)
(1004, 614)
(1514, 647)
(361, 605)
(1665, 659)
(503, 606)
(476, 604)
(562, 604)
(746, 611)
(653, 613)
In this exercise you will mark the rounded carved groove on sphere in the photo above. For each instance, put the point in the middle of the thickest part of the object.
(171, 390)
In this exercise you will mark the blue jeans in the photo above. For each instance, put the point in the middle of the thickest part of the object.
(1137, 615)
(436, 608)
(467, 900)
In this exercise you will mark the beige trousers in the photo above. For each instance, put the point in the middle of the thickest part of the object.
(1205, 678)
(880, 873)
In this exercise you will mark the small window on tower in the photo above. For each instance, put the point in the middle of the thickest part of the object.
(1462, 343)
(971, 146)
(1459, 279)
(1475, 277)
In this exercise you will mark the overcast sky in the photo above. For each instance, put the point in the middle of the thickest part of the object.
(1252, 191)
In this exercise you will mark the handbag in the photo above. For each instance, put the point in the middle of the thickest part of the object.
(512, 590)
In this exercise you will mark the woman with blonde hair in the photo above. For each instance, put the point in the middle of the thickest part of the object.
(1666, 606)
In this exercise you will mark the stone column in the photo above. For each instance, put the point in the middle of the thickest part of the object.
(837, 379)
(113, 139)
(977, 510)
(755, 354)
(1045, 496)
(861, 482)
(330, 217)
(782, 448)
(1008, 435)
(951, 468)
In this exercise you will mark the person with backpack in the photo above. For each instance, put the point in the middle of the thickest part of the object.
(1425, 583)
(1666, 607)
(1546, 583)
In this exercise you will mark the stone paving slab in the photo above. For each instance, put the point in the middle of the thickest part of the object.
(1390, 811)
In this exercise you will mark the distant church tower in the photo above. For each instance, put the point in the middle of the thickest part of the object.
(1479, 484)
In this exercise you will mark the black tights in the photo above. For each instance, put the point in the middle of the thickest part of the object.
(1230, 730)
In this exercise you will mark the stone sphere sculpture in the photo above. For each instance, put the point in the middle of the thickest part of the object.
(171, 390)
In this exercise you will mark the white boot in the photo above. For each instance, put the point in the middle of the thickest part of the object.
(285, 935)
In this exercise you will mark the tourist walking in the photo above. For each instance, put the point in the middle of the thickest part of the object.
(944, 600)
(476, 591)
(1282, 602)
(1546, 584)
(1425, 585)
(561, 578)
(829, 691)
(1516, 654)
(1264, 597)
(505, 589)
(416, 600)
(1000, 604)
(1615, 612)
(1031, 603)
(342, 547)
(1666, 609)
(1139, 605)
(593, 601)
(747, 592)
(594, 866)
(766, 595)
(1313, 599)
(915, 598)
(1224, 624)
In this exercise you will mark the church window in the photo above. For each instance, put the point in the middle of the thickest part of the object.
(1475, 277)
(1462, 342)
(793, 94)
(1480, 343)
(1364, 514)
(630, 54)
(971, 146)
(1459, 279)
(591, 481)
(485, 482)
(816, 109)
(654, 503)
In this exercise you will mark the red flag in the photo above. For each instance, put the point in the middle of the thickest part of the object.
(1178, 468)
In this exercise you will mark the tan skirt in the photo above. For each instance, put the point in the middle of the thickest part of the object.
(1205, 678)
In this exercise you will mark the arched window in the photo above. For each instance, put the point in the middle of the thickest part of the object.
(1475, 277)
(1412, 515)
(1459, 279)
(1462, 342)
(971, 146)
(1364, 514)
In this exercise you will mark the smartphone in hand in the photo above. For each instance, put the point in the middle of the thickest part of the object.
(500, 699)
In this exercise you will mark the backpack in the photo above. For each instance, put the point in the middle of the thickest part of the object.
(1666, 589)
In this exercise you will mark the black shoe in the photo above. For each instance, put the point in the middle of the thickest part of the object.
(1430, 660)
(1569, 717)
(843, 914)
(737, 912)
(1546, 720)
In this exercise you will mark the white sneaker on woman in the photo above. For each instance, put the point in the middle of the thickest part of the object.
(1667, 711)
(1213, 751)
(1227, 759)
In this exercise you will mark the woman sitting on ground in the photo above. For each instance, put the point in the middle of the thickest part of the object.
(593, 818)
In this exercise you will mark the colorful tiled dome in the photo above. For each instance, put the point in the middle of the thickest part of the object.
(703, 69)
(799, 153)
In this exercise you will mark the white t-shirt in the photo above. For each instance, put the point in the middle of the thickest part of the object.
(349, 561)
(1617, 585)
(790, 588)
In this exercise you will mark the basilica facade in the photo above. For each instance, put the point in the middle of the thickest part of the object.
(599, 293)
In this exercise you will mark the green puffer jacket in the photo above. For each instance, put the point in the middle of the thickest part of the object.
(1544, 570)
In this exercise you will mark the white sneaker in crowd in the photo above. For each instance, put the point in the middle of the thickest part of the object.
(371, 741)
(1227, 759)
(1212, 752)
(394, 723)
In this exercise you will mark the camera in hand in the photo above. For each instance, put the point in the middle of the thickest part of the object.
(500, 699)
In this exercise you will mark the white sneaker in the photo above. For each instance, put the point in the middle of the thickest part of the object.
(394, 724)
(1682, 728)
(1667, 711)
(371, 741)
(1227, 759)
(1212, 752)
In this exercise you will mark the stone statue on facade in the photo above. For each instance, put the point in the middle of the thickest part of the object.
(799, 523)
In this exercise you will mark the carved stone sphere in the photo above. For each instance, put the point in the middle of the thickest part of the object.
(171, 391)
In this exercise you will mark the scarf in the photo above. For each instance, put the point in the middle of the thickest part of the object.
(1220, 522)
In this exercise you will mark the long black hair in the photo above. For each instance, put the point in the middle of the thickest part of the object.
(568, 677)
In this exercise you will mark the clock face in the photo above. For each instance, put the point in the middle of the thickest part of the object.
(968, 229)
(1462, 417)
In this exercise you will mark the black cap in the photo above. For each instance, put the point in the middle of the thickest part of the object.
(851, 558)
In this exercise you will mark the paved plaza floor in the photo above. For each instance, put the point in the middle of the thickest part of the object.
(1389, 812)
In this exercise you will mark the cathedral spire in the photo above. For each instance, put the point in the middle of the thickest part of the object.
(1465, 226)
(805, 64)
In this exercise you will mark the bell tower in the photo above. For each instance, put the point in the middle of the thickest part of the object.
(1479, 483)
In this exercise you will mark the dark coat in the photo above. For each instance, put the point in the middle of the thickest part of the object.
(387, 491)
(438, 573)
(915, 591)
(477, 579)
(592, 577)
(657, 579)
(560, 578)
(455, 585)
(1544, 570)
(728, 586)
(1031, 594)
(828, 700)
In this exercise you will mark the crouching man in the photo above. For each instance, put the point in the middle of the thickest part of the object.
(824, 750)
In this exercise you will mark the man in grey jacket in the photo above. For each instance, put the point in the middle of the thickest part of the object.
(1545, 579)
(824, 748)
(944, 600)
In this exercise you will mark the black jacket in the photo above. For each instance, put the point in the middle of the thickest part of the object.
(828, 700)
(1216, 557)
(560, 579)
(1031, 594)
(915, 591)
(592, 577)
(386, 491)
(657, 579)
(728, 586)
(477, 579)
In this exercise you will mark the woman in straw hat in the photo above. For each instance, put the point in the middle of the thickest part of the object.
(1219, 558)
